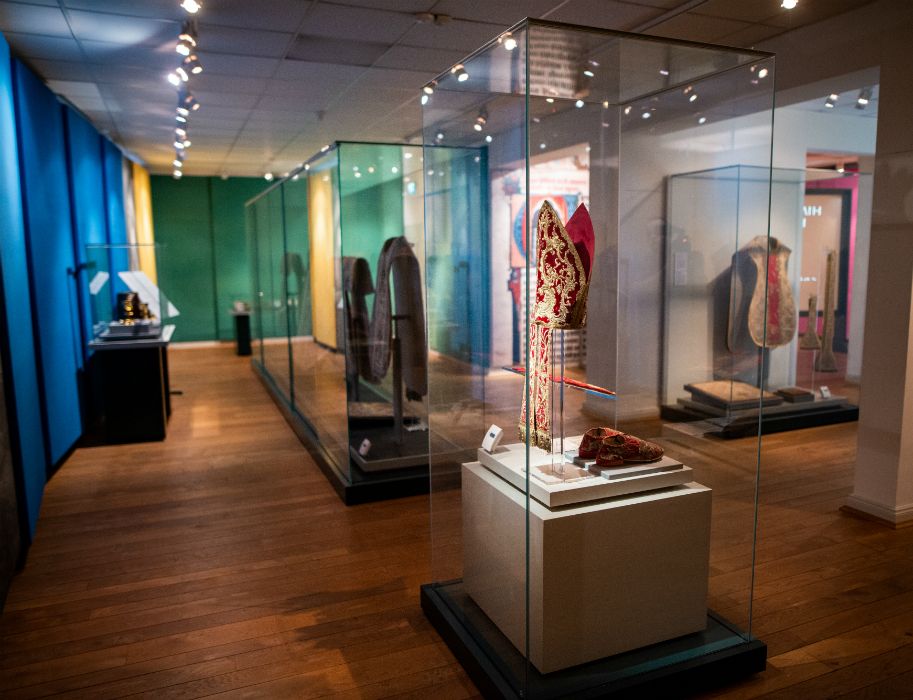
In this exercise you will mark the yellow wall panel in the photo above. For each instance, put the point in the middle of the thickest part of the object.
(321, 215)
(142, 203)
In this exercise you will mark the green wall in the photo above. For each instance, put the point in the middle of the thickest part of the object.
(203, 264)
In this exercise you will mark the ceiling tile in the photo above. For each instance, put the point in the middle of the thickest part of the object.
(119, 29)
(506, 12)
(160, 59)
(408, 57)
(457, 35)
(62, 70)
(322, 50)
(50, 47)
(245, 66)
(33, 19)
(324, 71)
(751, 35)
(341, 22)
(207, 82)
(224, 99)
(694, 28)
(278, 15)
(245, 42)
(605, 13)
(156, 9)
(399, 5)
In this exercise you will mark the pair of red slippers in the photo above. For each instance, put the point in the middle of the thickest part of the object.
(613, 448)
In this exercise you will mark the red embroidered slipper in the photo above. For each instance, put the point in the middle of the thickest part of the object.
(592, 441)
(621, 448)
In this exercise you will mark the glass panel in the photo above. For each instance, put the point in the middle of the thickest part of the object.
(275, 299)
(383, 310)
(535, 539)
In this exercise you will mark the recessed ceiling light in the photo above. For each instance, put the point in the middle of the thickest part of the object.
(789, 4)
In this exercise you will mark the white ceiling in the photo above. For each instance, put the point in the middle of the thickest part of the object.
(284, 77)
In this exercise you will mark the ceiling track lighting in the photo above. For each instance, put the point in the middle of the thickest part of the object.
(508, 41)
(459, 70)
(192, 65)
(192, 6)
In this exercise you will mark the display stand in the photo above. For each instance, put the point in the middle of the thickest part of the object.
(132, 380)
(242, 332)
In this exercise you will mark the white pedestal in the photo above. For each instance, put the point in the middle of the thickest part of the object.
(604, 577)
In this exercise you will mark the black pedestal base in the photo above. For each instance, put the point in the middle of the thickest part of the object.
(770, 423)
(709, 659)
(356, 486)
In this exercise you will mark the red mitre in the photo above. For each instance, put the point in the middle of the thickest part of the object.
(564, 259)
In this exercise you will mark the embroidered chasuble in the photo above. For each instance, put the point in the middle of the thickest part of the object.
(564, 257)
(768, 270)
(398, 265)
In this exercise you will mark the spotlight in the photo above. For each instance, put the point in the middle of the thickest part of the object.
(357, 174)
(702, 120)
(186, 44)
(550, 100)
(508, 41)
(542, 146)
(181, 74)
(481, 120)
(789, 4)
(864, 96)
(579, 104)
(268, 177)
(460, 72)
(394, 170)
(628, 109)
(370, 169)
(190, 103)
(663, 72)
(178, 144)
(192, 65)
(645, 115)
(693, 97)
(439, 136)
(180, 132)
(187, 143)
(488, 138)
(174, 78)
(687, 89)
(178, 163)
(407, 155)
(177, 174)
(429, 88)
(763, 73)
(605, 104)
(194, 6)
(180, 119)
(424, 99)
(325, 148)
(588, 73)
(831, 100)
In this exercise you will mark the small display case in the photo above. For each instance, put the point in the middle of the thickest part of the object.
(125, 300)
(581, 545)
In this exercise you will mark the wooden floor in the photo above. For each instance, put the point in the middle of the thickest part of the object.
(221, 563)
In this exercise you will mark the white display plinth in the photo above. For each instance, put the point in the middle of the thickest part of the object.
(604, 577)
(510, 463)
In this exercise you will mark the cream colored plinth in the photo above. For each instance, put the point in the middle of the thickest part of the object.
(604, 577)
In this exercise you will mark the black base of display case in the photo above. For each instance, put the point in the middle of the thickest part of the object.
(697, 662)
(357, 486)
(806, 416)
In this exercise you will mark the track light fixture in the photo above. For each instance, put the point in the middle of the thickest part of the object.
(865, 95)
(192, 6)
(460, 72)
(481, 120)
(192, 65)
(831, 100)
(187, 42)
(789, 4)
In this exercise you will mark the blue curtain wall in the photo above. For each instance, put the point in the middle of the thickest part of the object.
(19, 357)
(50, 247)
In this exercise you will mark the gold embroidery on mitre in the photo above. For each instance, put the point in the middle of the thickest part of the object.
(556, 281)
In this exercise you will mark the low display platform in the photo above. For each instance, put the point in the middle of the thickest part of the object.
(774, 419)
(356, 486)
(718, 655)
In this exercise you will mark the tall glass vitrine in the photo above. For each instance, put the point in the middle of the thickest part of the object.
(339, 314)
(580, 544)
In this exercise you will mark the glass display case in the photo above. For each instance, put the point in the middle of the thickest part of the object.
(581, 545)
(339, 313)
(808, 276)
(125, 301)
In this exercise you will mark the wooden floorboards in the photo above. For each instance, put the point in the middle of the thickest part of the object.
(221, 563)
